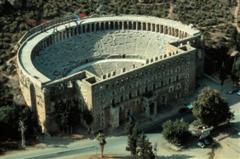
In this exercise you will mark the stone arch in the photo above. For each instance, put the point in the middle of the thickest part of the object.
(106, 25)
(157, 28)
(151, 108)
(120, 25)
(97, 26)
(116, 25)
(139, 26)
(130, 26)
(148, 26)
(93, 29)
(143, 26)
(83, 28)
(134, 25)
(111, 25)
(79, 29)
(153, 27)
(102, 26)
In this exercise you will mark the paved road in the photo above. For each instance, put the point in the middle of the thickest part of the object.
(157, 128)
(117, 144)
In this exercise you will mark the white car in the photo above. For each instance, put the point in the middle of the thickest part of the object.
(201, 144)
(238, 93)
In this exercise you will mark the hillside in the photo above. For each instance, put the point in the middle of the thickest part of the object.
(214, 18)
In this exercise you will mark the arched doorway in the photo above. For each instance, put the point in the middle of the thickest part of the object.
(151, 109)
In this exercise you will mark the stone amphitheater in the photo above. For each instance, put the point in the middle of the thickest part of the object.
(115, 66)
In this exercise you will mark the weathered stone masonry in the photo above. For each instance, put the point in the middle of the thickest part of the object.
(115, 95)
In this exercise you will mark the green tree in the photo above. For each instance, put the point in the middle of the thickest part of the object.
(144, 148)
(10, 116)
(132, 138)
(236, 71)
(210, 108)
(176, 132)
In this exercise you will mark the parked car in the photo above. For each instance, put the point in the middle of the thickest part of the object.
(232, 91)
(238, 93)
(205, 142)
(201, 144)
(189, 106)
(184, 110)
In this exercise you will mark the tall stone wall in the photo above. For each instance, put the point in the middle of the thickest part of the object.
(115, 97)
(166, 80)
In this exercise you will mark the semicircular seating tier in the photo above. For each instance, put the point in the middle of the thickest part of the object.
(58, 50)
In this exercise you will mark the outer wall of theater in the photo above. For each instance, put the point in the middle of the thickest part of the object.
(143, 92)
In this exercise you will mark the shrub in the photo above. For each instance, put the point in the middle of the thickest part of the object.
(176, 132)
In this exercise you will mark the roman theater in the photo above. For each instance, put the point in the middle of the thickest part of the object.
(114, 66)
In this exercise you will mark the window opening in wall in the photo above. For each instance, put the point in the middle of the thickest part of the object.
(120, 25)
(149, 26)
(130, 95)
(130, 25)
(157, 27)
(75, 31)
(93, 27)
(113, 102)
(139, 26)
(151, 108)
(106, 25)
(161, 29)
(88, 28)
(166, 30)
(178, 85)
(111, 26)
(163, 99)
(116, 25)
(154, 86)
(102, 26)
(79, 29)
(134, 25)
(125, 25)
(144, 26)
(138, 92)
(83, 28)
(97, 26)
(153, 27)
